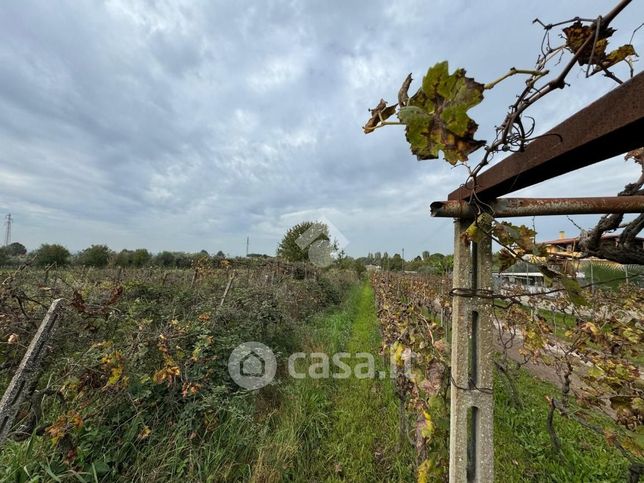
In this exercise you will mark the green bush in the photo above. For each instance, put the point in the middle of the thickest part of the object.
(51, 254)
(95, 256)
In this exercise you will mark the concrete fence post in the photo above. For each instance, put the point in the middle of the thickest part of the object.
(472, 349)
(27, 371)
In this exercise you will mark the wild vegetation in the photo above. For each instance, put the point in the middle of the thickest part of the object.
(135, 383)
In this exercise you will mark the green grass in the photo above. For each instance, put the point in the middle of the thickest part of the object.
(523, 451)
(347, 430)
(339, 429)
(364, 442)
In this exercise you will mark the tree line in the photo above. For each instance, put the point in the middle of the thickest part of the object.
(98, 256)
(291, 249)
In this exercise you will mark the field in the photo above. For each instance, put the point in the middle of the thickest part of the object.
(135, 384)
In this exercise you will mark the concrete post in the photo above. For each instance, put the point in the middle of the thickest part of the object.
(28, 370)
(471, 403)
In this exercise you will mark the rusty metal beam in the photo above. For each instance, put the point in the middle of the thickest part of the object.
(510, 207)
(610, 126)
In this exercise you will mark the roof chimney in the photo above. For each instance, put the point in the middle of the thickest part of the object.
(562, 235)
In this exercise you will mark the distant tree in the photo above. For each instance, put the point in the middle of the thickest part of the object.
(220, 254)
(165, 259)
(123, 258)
(4, 256)
(95, 256)
(440, 263)
(385, 261)
(415, 265)
(183, 260)
(448, 263)
(140, 257)
(396, 262)
(204, 252)
(377, 258)
(288, 247)
(359, 267)
(48, 254)
(425, 255)
(344, 261)
(15, 249)
(364, 261)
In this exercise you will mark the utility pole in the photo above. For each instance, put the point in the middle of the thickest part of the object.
(247, 242)
(7, 235)
(403, 260)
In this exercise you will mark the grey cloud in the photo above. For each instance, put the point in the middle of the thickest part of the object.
(183, 125)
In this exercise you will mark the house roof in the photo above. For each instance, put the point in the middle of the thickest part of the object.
(566, 241)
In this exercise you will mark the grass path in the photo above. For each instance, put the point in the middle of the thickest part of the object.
(339, 429)
(335, 430)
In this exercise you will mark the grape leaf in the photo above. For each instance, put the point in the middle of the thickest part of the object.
(616, 56)
(576, 36)
(474, 232)
(595, 50)
(378, 114)
(436, 115)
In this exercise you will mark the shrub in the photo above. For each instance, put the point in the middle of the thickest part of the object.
(51, 254)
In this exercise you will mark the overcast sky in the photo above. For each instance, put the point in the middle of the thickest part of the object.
(188, 125)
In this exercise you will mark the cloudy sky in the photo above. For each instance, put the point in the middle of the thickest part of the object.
(188, 125)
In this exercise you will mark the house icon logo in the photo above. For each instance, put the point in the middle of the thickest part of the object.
(252, 365)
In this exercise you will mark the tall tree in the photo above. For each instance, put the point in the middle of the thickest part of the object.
(396, 262)
(310, 231)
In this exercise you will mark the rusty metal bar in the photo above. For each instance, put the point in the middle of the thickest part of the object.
(510, 207)
(610, 126)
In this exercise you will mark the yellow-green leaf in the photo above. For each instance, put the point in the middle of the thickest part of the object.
(436, 116)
